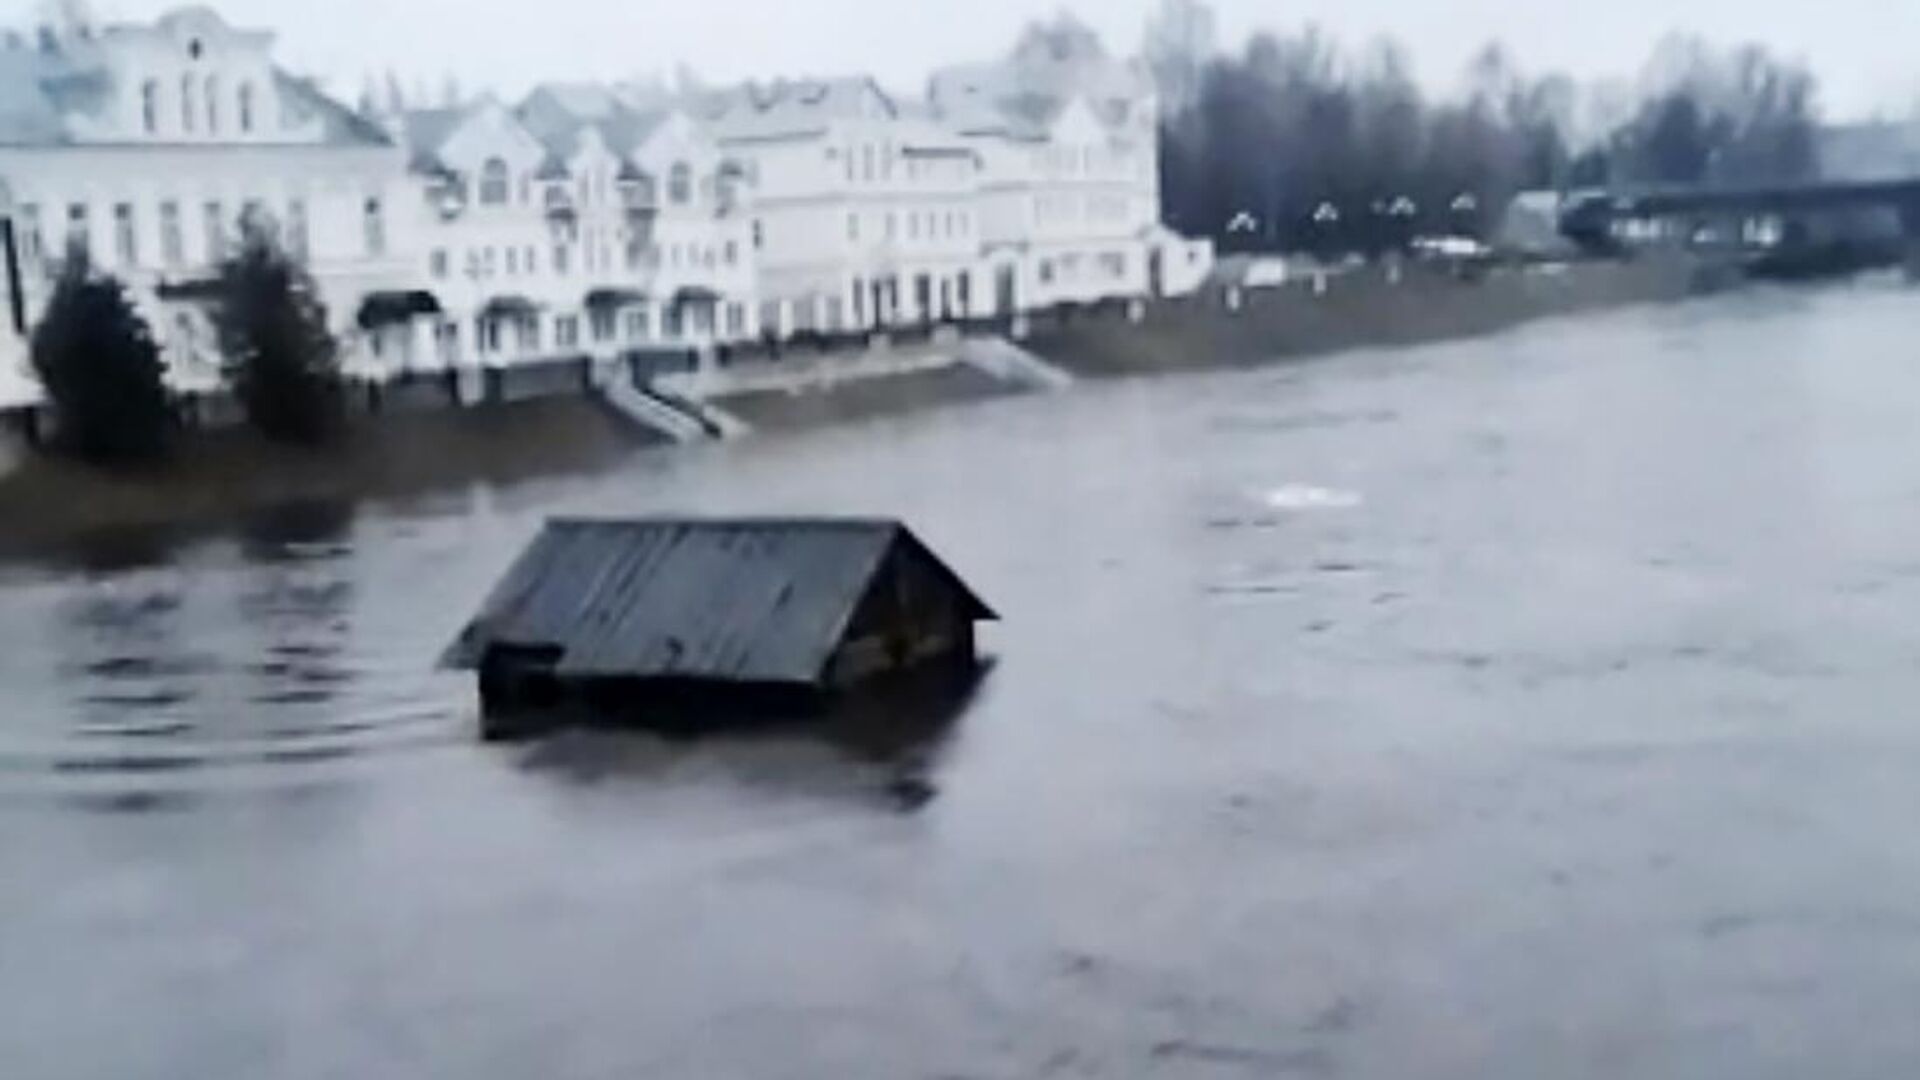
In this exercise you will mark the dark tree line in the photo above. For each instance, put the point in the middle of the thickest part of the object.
(1718, 118)
(1296, 143)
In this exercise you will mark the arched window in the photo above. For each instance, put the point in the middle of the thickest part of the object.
(495, 186)
(188, 112)
(213, 105)
(246, 108)
(150, 106)
(680, 183)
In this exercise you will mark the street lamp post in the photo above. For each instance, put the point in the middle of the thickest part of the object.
(1403, 211)
(1464, 207)
(1326, 217)
(1400, 216)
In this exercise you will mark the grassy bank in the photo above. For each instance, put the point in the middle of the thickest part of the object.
(1358, 310)
(222, 479)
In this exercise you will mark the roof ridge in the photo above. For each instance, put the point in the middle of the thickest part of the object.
(723, 522)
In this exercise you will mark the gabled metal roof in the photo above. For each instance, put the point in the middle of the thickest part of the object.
(749, 601)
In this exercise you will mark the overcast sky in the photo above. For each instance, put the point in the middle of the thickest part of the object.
(1867, 52)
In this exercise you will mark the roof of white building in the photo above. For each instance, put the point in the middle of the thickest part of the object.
(1053, 65)
(547, 117)
(791, 108)
(622, 128)
(426, 132)
(343, 126)
(585, 100)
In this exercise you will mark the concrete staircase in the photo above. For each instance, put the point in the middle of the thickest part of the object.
(717, 422)
(679, 419)
(1002, 359)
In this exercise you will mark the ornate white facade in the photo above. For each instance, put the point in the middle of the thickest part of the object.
(582, 222)
(1068, 140)
(1013, 187)
(868, 211)
(561, 229)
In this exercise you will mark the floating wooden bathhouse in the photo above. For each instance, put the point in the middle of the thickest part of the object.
(694, 623)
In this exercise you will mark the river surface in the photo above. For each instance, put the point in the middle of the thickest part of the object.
(1543, 706)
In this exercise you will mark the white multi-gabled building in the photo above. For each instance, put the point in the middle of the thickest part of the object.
(866, 212)
(1014, 186)
(685, 206)
(565, 229)
(145, 144)
(1070, 181)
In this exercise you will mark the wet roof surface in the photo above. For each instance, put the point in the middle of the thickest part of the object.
(760, 600)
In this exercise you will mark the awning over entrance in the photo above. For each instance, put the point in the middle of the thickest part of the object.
(614, 298)
(394, 308)
(509, 307)
(200, 289)
(695, 294)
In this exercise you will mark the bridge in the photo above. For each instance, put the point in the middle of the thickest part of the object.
(1588, 218)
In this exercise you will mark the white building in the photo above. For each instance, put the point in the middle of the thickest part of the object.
(588, 222)
(867, 211)
(145, 144)
(573, 226)
(1070, 185)
(1015, 186)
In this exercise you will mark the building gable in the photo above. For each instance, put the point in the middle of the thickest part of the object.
(677, 138)
(1077, 125)
(489, 131)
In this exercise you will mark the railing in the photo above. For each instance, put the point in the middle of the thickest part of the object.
(637, 198)
(620, 390)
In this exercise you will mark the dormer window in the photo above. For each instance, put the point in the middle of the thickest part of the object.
(188, 113)
(195, 49)
(246, 108)
(213, 105)
(150, 106)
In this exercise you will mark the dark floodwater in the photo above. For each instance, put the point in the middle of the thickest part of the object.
(1535, 707)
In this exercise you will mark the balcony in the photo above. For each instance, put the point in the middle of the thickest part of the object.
(557, 203)
(447, 195)
(640, 201)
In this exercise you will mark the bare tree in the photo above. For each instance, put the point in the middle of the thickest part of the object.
(1180, 42)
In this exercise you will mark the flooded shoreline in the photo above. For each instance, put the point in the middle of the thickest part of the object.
(229, 481)
(1508, 707)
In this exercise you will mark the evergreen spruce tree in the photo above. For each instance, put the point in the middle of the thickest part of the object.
(96, 358)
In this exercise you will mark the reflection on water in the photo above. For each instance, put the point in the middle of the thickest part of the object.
(1523, 707)
(175, 670)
